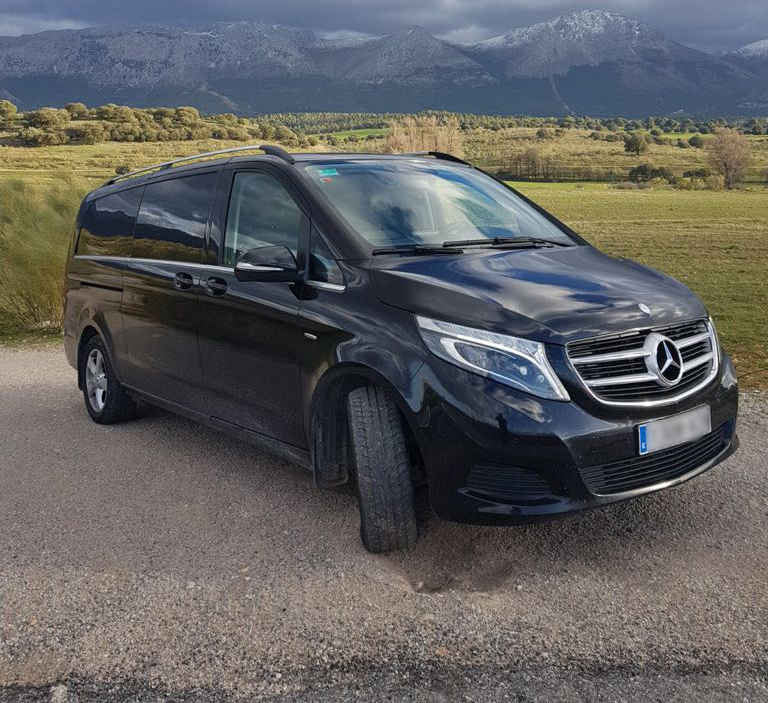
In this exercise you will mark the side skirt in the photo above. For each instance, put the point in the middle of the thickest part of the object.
(275, 446)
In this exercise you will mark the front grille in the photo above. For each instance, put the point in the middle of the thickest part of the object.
(616, 370)
(650, 469)
(510, 483)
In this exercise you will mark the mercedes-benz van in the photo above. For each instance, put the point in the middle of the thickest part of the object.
(404, 322)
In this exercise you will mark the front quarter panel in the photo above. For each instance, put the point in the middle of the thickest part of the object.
(352, 332)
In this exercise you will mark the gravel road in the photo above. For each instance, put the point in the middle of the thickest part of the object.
(158, 560)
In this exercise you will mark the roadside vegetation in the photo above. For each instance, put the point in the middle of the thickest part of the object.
(655, 190)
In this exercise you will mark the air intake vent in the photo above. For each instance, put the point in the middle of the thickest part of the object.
(642, 471)
(507, 483)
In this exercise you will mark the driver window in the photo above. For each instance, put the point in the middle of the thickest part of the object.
(261, 213)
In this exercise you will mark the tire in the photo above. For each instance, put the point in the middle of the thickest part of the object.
(105, 399)
(383, 471)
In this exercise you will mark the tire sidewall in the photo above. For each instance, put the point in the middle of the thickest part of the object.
(112, 385)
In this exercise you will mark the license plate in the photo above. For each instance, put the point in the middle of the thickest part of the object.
(670, 431)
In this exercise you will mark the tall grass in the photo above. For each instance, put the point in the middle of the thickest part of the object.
(36, 221)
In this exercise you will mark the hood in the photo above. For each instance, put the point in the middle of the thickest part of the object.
(549, 295)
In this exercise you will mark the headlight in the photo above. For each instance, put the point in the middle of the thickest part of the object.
(519, 363)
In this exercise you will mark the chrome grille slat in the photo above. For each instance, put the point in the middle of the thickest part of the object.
(688, 341)
(613, 368)
(615, 356)
(611, 380)
(688, 365)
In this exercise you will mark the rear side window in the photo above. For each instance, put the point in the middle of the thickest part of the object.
(261, 213)
(173, 217)
(108, 225)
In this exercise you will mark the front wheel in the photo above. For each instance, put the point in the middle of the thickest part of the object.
(105, 399)
(383, 471)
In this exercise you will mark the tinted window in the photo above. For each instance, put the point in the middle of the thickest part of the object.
(172, 219)
(261, 213)
(108, 225)
(406, 202)
(322, 265)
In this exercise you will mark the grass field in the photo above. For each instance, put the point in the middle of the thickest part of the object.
(715, 242)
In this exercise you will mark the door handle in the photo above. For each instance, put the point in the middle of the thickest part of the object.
(183, 281)
(215, 286)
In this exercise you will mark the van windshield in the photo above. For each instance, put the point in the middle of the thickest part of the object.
(407, 203)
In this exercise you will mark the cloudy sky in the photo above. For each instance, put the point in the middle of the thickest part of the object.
(704, 24)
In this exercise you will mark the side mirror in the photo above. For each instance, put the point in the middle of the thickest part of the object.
(275, 263)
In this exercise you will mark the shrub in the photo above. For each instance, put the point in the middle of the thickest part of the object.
(425, 133)
(544, 133)
(90, 133)
(48, 118)
(644, 173)
(697, 173)
(77, 111)
(696, 141)
(629, 185)
(31, 136)
(7, 113)
(706, 183)
(239, 133)
(35, 227)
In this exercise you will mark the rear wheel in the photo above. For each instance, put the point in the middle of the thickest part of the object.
(105, 399)
(383, 471)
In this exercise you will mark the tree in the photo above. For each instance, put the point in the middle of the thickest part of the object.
(635, 143)
(730, 155)
(77, 111)
(7, 113)
(532, 162)
(425, 133)
(48, 118)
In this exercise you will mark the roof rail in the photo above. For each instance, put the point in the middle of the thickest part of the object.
(439, 155)
(266, 148)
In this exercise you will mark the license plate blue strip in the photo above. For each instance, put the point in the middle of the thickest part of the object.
(643, 441)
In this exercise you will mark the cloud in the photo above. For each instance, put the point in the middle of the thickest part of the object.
(13, 24)
(706, 24)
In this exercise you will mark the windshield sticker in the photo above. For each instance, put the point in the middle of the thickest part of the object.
(327, 172)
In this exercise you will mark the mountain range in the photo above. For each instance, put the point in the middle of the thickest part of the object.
(588, 62)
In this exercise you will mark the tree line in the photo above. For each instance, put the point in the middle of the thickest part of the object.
(78, 124)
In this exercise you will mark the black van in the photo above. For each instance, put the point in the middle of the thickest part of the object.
(406, 322)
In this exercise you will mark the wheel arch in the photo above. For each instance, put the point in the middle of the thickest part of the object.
(89, 329)
(328, 426)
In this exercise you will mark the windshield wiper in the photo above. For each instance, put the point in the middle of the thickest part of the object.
(414, 250)
(507, 242)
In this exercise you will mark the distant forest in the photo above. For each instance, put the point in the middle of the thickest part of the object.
(79, 124)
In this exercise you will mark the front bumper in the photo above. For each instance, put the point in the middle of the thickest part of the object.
(494, 455)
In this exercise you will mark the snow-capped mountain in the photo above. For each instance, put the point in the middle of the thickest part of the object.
(586, 38)
(756, 50)
(591, 61)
